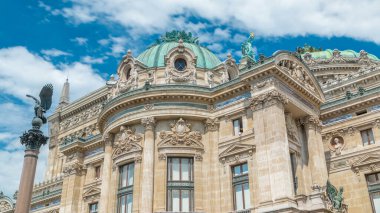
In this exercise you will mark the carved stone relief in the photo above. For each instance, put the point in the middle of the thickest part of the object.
(180, 134)
(336, 145)
(236, 152)
(291, 128)
(297, 72)
(127, 141)
(81, 117)
(74, 168)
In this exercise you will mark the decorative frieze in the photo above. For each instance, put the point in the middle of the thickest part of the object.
(148, 123)
(267, 99)
(80, 118)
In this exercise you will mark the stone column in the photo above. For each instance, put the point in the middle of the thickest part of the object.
(272, 150)
(106, 173)
(147, 166)
(212, 126)
(33, 140)
(317, 159)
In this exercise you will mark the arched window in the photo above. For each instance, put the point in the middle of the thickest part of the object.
(128, 73)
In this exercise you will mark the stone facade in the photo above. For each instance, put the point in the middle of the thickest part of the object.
(291, 120)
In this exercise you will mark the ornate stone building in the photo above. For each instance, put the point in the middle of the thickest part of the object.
(179, 130)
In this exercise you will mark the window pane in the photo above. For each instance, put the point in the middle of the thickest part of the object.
(376, 202)
(129, 203)
(247, 200)
(122, 204)
(185, 168)
(364, 137)
(175, 168)
(130, 174)
(124, 176)
(245, 168)
(239, 197)
(175, 200)
(185, 194)
(236, 126)
(370, 135)
(237, 170)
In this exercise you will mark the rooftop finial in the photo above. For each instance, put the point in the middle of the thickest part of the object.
(65, 94)
(176, 36)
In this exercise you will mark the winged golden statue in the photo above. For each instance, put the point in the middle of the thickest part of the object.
(44, 103)
(335, 196)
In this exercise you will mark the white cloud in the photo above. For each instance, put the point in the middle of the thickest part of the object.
(117, 45)
(54, 53)
(266, 18)
(80, 41)
(90, 60)
(22, 72)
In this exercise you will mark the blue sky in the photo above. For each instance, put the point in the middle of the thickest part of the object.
(46, 41)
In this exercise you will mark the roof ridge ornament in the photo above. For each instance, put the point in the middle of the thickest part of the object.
(176, 36)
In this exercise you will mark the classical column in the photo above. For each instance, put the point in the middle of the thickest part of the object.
(316, 153)
(147, 166)
(212, 127)
(272, 149)
(33, 140)
(106, 173)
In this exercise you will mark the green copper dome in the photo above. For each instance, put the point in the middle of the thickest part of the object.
(155, 55)
(328, 53)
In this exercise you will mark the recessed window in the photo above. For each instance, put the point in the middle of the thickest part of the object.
(367, 137)
(180, 186)
(180, 64)
(128, 73)
(373, 183)
(293, 162)
(238, 126)
(362, 112)
(240, 186)
(93, 208)
(97, 172)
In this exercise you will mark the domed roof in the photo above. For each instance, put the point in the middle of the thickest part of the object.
(155, 55)
(328, 53)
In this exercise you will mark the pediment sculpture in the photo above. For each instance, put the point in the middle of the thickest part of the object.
(180, 134)
(128, 141)
(298, 73)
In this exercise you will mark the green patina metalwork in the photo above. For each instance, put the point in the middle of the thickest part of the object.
(176, 35)
(155, 55)
(328, 53)
(247, 49)
(350, 96)
(335, 196)
(307, 49)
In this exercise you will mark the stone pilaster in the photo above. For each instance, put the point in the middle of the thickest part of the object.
(106, 173)
(213, 188)
(272, 149)
(148, 165)
(71, 188)
(316, 154)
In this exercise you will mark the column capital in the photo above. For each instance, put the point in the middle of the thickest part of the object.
(148, 123)
(211, 124)
(33, 139)
(312, 122)
(107, 138)
(268, 99)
